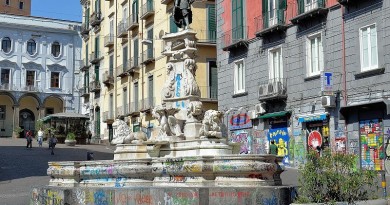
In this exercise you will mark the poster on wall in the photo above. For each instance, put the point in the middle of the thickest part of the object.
(281, 138)
(240, 121)
(243, 137)
(371, 143)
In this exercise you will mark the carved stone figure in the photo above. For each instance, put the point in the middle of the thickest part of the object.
(191, 86)
(194, 112)
(170, 126)
(182, 13)
(212, 125)
(123, 134)
(168, 90)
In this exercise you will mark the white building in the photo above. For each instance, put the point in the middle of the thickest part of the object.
(39, 65)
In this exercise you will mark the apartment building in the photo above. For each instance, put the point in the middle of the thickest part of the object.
(16, 7)
(123, 67)
(39, 70)
(306, 74)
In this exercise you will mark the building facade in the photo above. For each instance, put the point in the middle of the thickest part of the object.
(16, 7)
(306, 74)
(38, 58)
(123, 67)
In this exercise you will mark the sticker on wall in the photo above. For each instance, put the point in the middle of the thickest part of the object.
(314, 140)
(281, 138)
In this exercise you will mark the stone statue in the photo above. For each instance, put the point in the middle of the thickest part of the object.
(123, 134)
(194, 112)
(192, 87)
(212, 125)
(182, 13)
(170, 126)
(168, 90)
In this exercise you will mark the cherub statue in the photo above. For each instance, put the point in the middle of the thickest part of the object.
(194, 111)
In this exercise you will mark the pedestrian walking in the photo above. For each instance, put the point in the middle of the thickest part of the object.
(52, 143)
(40, 137)
(273, 149)
(29, 139)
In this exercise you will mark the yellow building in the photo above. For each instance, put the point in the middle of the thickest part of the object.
(124, 69)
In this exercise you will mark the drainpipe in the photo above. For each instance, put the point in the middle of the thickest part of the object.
(143, 65)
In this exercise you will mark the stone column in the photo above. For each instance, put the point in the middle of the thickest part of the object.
(16, 119)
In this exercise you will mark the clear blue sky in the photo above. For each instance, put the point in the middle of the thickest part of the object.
(57, 9)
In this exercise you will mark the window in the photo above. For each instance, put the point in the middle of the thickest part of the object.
(55, 49)
(6, 44)
(7, 2)
(30, 78)
(211, 23)
(150, 91)
(110, 111)
(150, 45)
(31, 47)
(237, 19)
(136, 96)
(4, 80)
(172, 26)
(275, 64)
(124, 101)
(310, 4)
(368, 48)
(49, 111)
(213, 79)
(239, 77)
(111, 65)
(315, 55)
(21, 4)
(125, 58)
(55, 80)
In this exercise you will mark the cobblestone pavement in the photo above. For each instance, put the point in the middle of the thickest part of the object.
(22, 168)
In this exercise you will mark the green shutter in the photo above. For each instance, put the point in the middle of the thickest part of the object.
(212, 21)
(301, 6)
(96, 73)
(86, 54)
(265, 14)
(172, 25)
(282, 8)
(97, 46)
(150, 46)
(213, 80)
(124, 58)
(87, 18)
(136, 52)
(150, 90)
(111, 62)
(237, 20)
(136, 96)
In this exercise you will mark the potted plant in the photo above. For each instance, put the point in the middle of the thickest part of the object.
(334, 178)
(70, 139)
(17, 130)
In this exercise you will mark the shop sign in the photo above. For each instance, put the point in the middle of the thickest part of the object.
(240, 121)
(327, 83)
(314, 140)
(311, 118)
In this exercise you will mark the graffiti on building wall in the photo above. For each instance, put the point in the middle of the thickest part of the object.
(281, 138)
(260, 142)
(387, 150)
(299, 148)
(243, 137)
(371, 142)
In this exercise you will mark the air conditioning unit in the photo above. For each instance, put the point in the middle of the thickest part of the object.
(252, 114)
(259, 108)
(263, 90)
(328, 101)
(271, 88)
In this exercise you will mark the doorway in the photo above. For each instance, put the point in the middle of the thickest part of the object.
(26, 122)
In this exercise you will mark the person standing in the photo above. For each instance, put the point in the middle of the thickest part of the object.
(40, 137)
(273, 149)
(29, 139)
(52, 143)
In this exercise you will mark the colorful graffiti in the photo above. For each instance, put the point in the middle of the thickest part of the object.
(299, 149)
(260, 142)
(240, 121)
(245, 140)
(371, 143)
(280, 135)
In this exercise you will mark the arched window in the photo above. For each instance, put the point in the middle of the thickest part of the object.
(55, 49)
(6, 44)
(31, 47)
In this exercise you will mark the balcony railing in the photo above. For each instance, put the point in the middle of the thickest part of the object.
(133, 21)
(84, 64)
(84, 91)
(6, 86)
(235, 38)
(108, 116)
(94, 86)
(85, 29)
(209, 92)
(307, 11)
(95, 57)
(147, 9)
(134, 107)
(123, 70)
(273, 88)
(271, 22)
(148, 104)
(109, 40)
(148, 56)
(96, 18)
(206, 36)
(108, 78)
(122, 28)
(134, 63)
(30, 88)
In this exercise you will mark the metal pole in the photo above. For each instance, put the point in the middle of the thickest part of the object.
(384, 183)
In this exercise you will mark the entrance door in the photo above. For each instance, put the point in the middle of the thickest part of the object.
(26, 121)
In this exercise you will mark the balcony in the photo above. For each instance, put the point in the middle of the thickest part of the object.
(235, 38)
(166, 2)
(94, 86)
(30, 88)
(148, 56)
(108, 117)
(122, 28)
(122, 111)
(134, 64)
(108, 78)
(96, 18)
(84, 29)
(94, 57)
(109, 40)
(348, 2)
(148, 104)
(135, 107)
(206, 37)
(133, 21)
(273, 89)
(123, 70)
(271, 23)
(84, 91)
(84, 64)
(6, 87)
(308, 11)
(147, 9)
(208, 93)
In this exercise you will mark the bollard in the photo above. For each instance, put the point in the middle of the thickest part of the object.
(384, 183)
(90, 156)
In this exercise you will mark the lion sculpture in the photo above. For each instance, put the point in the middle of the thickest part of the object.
(212, 126)
(123, 134)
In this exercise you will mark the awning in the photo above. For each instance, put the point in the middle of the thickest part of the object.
(274, 114)
(374, 104)
(64, 115)
(312, 117)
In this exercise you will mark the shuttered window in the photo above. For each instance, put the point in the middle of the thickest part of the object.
(212, 23)
(172, 26)
(237, 20)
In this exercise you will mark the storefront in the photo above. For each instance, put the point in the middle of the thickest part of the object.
(316, 130)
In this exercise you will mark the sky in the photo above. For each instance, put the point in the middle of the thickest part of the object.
(57, 9)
